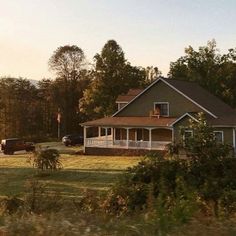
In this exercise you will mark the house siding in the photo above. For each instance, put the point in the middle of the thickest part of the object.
(228, 134)
(184, 123)
(162, 135)
(159, 92)
(157, 134)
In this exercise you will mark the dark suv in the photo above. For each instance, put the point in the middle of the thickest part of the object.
(72, 139)
(11, 145)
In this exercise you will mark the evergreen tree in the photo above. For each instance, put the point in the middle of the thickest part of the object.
(112, 76)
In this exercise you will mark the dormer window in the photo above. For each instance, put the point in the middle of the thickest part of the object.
(121, 105)
(162, 108)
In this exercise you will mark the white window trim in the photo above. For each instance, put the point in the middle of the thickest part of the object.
(119, 104)
(168, 106)
(222, 134)
(188, 131)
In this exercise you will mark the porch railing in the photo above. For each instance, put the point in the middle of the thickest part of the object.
(108, 143)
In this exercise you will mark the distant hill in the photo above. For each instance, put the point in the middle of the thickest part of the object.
(34, 82)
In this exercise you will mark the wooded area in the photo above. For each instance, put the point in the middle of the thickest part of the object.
(84, 91)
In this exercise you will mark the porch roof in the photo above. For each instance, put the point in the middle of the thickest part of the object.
(132, 122)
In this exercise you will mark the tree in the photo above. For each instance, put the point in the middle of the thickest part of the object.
(209, 161)
(210, 69)
(19, 108)
(203, 144)
(47, 107)
(152, 73)
(68, 62)
(112, 76)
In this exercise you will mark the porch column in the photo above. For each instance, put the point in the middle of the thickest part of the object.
(150, 138)
(85, 136)
(99, 131)
(127, 138)
(173, 135)
(114, 134)
(106, 138)
(135, 135)
(234, 140)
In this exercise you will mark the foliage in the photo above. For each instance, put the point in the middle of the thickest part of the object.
(112, 76)
(203, 143)
(48, 159)
(80, 91)
(159, 196)
(38, 199)
(18, 108)
(10, 205)
(206, 177)
(71, 224)
(68, 62)
(89, 202)
(214, 71)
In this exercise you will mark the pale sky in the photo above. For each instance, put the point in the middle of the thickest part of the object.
(151, 32)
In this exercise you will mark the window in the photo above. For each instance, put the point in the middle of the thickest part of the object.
(219, 136)
(162, 108)
(188, 134)
(121, 105)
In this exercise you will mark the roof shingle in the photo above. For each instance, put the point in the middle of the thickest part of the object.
(132, 122)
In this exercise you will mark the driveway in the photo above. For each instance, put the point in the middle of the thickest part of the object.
(54, 145)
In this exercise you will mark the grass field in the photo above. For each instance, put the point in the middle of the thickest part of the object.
(79, 173)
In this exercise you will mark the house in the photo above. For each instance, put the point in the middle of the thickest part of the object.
(152, 118)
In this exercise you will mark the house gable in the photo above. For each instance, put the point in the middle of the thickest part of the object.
(183, 117)
(159, 91)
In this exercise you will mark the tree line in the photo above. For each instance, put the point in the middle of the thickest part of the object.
(84, 91)
(80, 91)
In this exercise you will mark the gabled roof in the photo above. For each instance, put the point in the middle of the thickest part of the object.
(191, 115)
(193, 92)
(132, 93)
(132, 122)
(201, 96)
(226, 120)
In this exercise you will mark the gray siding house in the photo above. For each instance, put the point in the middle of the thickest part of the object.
(152, 118)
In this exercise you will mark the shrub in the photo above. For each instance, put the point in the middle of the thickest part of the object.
(37, 199)
(10, 205)
(47, 159)
(126, 197)
(89, 202)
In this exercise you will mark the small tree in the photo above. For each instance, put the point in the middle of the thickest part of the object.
(202, 144)
(207, 170)
(47, 159)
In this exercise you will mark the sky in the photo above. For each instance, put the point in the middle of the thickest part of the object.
(150, 32)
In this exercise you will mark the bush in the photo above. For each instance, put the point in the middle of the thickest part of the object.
(211, 181)
(126, 197)
(47, 159)
(38, 199)
(10, 205)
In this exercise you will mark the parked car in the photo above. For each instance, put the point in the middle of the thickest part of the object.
(11, 145)
(72, 139)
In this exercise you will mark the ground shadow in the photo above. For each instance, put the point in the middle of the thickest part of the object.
(68, 183)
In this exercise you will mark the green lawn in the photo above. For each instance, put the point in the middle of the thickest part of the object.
(78, 173)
